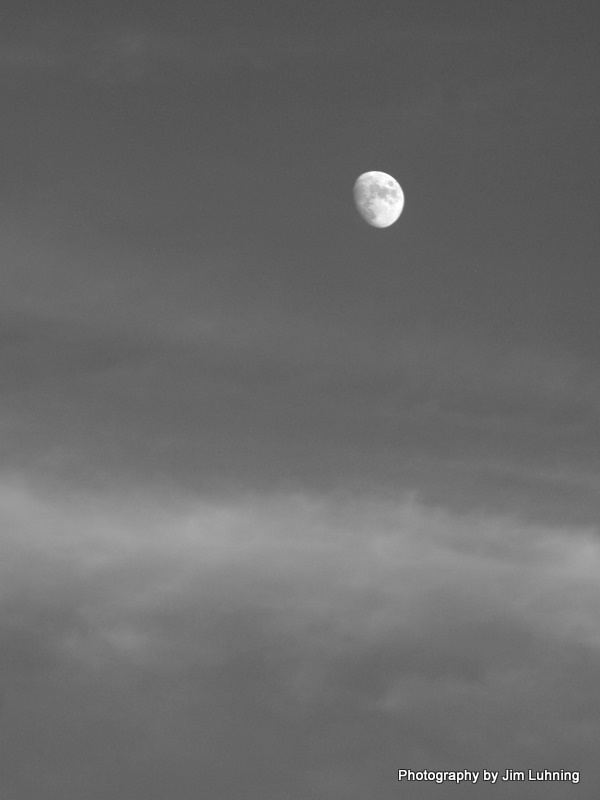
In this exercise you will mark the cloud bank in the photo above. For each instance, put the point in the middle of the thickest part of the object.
(251, 644)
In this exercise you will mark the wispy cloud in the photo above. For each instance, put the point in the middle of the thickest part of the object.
(112, 329)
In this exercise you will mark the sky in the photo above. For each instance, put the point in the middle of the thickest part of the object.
(287, 502)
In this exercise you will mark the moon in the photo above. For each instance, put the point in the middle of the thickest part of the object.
(379, 198)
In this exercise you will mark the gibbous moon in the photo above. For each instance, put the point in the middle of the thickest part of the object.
(379, 198)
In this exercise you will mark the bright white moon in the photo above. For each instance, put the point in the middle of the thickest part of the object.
(379, 198)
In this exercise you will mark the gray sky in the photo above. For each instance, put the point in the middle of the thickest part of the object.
(289, 503)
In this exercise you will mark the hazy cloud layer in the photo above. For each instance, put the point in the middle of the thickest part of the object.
(259, 644)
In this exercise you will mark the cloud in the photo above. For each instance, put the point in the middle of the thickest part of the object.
(301, 637)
